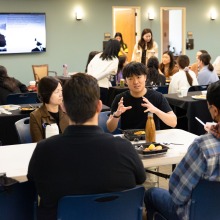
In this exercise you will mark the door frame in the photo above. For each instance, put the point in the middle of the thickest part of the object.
(138, 19)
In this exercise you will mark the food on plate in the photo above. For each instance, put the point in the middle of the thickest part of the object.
(151, 147)
(159, 147)
(139, 132)
(6, 107)
(146, 149)
(199, 96)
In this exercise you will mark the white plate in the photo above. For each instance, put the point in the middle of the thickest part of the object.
(10, 107)
(199, 97)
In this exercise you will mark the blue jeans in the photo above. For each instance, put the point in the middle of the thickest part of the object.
(159, 200)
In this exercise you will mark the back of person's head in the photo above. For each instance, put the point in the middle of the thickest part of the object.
(90, 57)
(134, 68)
(203, 51)
(213, 97)
(46, 87)
(122, 59)
(111, 50)
(3, 72)
(81, 94)
(152, 71)
(183, 62)
(153, 62)
(206, 58)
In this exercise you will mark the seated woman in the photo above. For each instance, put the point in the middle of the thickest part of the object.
(168, 66)
(50, 113)
(184, 78)
(207, 73)
(154, 78)
(9, 85)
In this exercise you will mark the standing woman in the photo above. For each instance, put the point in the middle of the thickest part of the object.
(184, 78)
(123, 46)
(206, 75)
(103, 65)
(145, 48)
(50, 93)
(168, 66)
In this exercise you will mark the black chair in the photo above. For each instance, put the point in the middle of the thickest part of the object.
(122, 205)
(103, 117)
(198, 88)
(22, 98)
(204, 202)
(18, 201)
(23, 130)
(161, 89)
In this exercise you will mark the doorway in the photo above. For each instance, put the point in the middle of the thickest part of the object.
(127, 21)
(173, 30)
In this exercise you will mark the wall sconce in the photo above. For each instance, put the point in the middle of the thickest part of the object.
(151, 15)
(79, 15)
(213, 15)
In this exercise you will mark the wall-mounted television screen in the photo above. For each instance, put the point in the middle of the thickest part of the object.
(22, 33)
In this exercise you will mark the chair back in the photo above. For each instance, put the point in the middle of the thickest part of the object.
(205, 201)
(198, 88)
(18, 201)
(103, 117)
(126, 204)
(22, 98)
(161, 89)
(41, 71)
(23, 130)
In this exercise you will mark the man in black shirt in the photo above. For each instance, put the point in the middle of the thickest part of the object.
(131, 106)
(83, 159)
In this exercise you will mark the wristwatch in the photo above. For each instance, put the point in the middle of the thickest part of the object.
(116, 116)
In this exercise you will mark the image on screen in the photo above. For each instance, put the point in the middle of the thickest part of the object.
(22, 33)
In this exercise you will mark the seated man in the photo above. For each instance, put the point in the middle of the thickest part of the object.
(84, 159)
(200, 162)
(131, 105)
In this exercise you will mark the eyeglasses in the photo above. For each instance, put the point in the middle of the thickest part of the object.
(210, 106)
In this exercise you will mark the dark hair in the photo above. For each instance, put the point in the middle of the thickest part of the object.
(134, 68)
(10, 83)
(90, 57)
(111, 50)
(183, 62)
(122, 59)
(3, 72)
(206, 58)
(142, 42)
(81, 94)
(46, 87)
(122, 44)
(171, 64)
(203, 51)
(213, 96)
(152, 71)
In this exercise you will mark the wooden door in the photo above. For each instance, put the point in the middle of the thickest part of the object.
(165, 30)
(125, 21)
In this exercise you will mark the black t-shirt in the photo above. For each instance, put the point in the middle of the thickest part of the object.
(136, 118)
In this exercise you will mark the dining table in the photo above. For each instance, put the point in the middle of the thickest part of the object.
(14, 159)
(188, 108)
(8, 133)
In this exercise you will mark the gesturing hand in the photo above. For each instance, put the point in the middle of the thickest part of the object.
(121, 107)
(149, 106)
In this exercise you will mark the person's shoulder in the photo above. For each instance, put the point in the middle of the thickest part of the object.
(39, 111)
